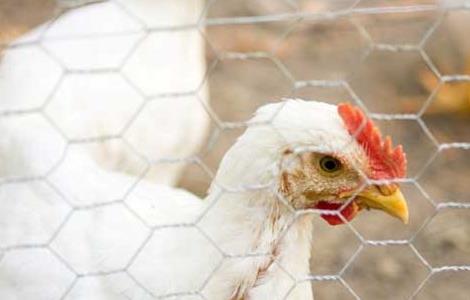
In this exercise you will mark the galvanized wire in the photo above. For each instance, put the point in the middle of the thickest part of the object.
(296, 16)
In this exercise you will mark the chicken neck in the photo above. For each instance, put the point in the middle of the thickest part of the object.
(266, 244)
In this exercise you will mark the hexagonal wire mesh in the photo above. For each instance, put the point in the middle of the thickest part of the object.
(401, 62)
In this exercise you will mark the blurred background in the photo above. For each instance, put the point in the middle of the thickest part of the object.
(407, 63)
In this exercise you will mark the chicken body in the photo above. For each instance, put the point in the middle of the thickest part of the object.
(246, 240)
(97, 71)
(174, 260)
(99, 229)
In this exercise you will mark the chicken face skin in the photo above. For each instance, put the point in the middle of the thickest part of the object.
(331, 182)
(306, 183)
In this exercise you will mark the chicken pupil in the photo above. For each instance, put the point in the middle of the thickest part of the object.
(330, 164)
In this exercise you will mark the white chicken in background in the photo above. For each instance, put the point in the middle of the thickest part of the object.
(95, 75)
(105, 70)
(311, 153)
(82, 200)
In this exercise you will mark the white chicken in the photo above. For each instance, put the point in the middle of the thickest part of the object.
(99, 71)
(246, 240)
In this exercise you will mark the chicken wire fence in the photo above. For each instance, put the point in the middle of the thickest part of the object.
(116, 219)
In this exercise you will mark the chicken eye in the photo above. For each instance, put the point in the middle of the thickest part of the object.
(330, 164)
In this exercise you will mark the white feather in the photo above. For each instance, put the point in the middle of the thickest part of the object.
(90, 70)
(238, 224)
(216, 246)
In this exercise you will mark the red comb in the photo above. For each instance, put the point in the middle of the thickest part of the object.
(385, 161)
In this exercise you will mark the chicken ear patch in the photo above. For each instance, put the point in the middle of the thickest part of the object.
(385, 161)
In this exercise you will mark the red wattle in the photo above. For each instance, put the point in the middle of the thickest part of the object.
(348, 212)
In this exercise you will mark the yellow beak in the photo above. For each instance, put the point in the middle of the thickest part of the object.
(387, 198)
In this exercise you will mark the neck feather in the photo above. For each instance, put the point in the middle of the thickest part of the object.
(263, 236)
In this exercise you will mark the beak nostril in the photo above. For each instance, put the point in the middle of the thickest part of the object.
(387, 189)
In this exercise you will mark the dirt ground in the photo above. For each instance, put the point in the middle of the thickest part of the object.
(386, 82)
